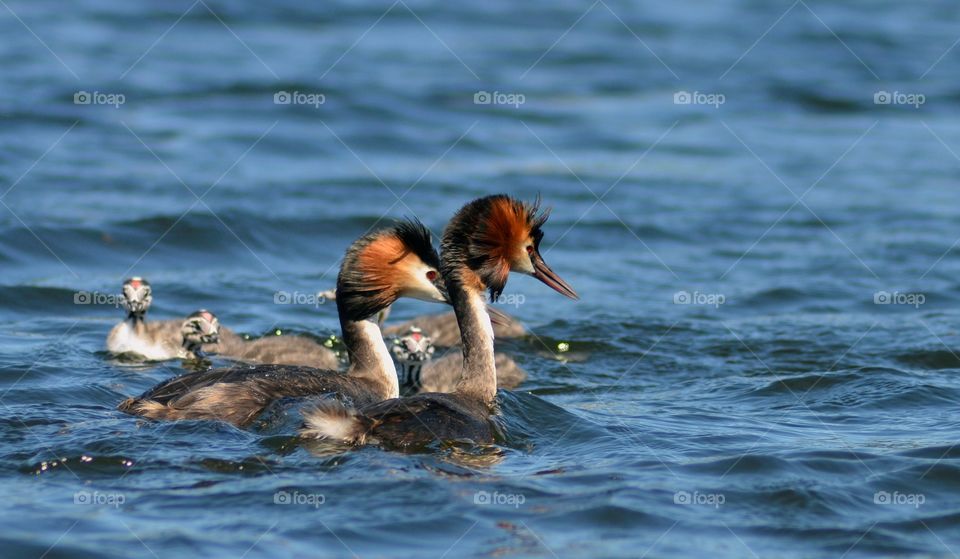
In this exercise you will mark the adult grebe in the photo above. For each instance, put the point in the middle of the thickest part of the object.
(378, 269)
(486, 240)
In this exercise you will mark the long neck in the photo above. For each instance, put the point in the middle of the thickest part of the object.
(479, 376)
(411, 375)
(369, 357)
(136, 321)
(192, 350)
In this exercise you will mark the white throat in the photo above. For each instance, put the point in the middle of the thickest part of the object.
(479, 376)
(378, 364)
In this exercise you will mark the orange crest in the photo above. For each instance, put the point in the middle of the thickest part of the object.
(508, 228)
(378, 263)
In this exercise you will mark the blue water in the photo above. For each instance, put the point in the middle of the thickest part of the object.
(731, 388)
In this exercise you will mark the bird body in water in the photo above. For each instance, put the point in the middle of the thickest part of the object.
(377, 269)
(276, 350)
(486, 240)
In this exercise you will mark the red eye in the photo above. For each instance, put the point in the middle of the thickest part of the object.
(530, 250)
(432, 275)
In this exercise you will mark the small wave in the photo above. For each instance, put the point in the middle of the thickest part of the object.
(747, 464)
(931, 359)
(804, 383)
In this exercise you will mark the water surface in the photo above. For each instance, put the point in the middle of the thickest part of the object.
(731, 387)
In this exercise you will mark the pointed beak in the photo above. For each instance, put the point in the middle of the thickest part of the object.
(543, 273)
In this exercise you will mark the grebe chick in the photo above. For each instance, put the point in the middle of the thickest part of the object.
(411, 352)
(160, 340)
(154, 341)
(420, 371)
(276, 350)
(486, 240)
(201, 327)
(377, 269)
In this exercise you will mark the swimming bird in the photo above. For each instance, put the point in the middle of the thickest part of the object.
(154, 341)
(420, 370)
(377, 269)
(276, 350)
(486, 240)
(159, 340)
(201, 327)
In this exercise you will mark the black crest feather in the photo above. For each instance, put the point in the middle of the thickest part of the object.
(416, 237)
(484, 232)
(363, 292)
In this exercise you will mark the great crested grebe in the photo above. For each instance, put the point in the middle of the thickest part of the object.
(486, 240)
(154, 341)
(377, 269)
(420, 370)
